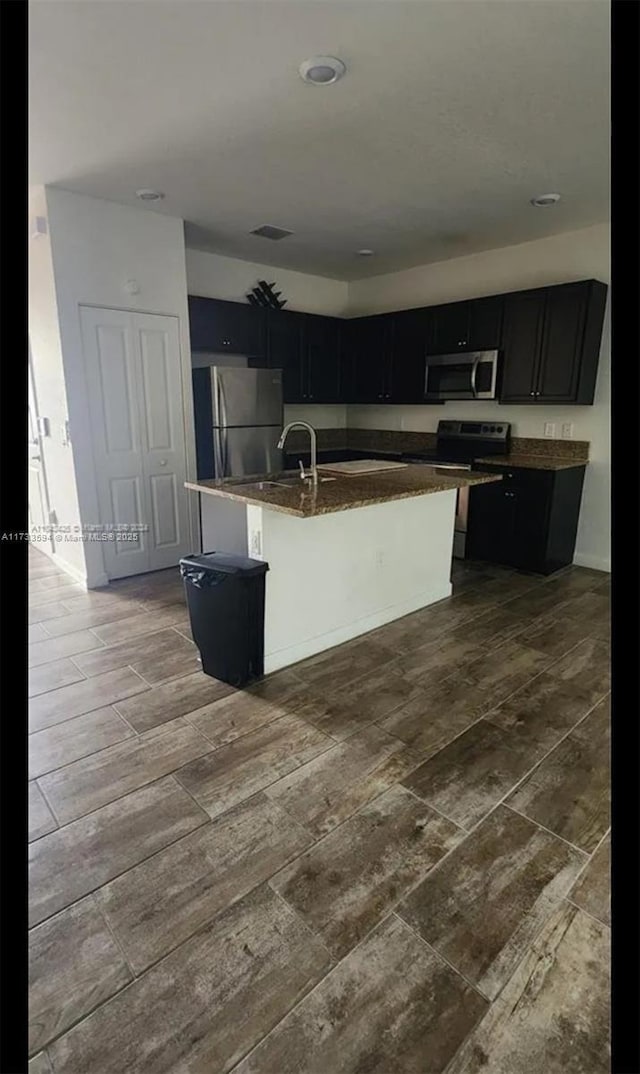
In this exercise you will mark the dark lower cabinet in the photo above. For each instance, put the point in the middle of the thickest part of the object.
(529, 520)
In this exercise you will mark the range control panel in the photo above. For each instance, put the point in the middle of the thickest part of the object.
(482, 430)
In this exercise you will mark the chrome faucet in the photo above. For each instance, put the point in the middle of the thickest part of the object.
(312, 435)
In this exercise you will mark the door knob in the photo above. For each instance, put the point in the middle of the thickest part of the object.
(163, 462)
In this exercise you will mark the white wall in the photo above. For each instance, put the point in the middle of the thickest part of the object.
(48, 375)
(97, 247)
(574, 255)
(214, 276)
(321, 417)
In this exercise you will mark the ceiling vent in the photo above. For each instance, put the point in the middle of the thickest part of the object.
(269, 232)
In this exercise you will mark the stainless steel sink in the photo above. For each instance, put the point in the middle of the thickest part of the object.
(286, 481)
(292, 482)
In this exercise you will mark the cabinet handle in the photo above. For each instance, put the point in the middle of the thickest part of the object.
(532, 393)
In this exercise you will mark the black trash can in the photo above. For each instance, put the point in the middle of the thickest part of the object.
(225, 595)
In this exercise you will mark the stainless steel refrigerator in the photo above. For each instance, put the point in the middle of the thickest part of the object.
(238, 418)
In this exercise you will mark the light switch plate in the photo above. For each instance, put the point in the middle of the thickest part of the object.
(550, 428)
(567, 430)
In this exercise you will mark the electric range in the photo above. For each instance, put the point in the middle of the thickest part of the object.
(458, 443)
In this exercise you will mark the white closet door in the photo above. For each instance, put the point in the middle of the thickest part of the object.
(157, 346)
(135, 401)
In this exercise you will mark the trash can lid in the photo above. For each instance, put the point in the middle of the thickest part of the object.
(225, 563)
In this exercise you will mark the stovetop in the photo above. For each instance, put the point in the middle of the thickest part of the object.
(460, 442)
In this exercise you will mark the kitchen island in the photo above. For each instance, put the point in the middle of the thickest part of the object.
(345, 556)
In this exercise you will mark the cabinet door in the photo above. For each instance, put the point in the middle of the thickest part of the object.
(410, 344)
(562, 343)
(284, 351)
(450, 328)
(369, 356)
(321, 350)
(491, 523)
(521, 338)
(485, 323)
(232, 327)
(532, 491)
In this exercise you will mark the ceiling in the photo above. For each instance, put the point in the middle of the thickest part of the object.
(451, 116)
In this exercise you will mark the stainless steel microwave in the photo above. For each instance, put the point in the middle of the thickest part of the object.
(473, 375)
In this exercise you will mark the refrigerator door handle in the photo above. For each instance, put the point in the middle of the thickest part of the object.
(219, 452)
(222, 411)
(222, 406)
(224, 436)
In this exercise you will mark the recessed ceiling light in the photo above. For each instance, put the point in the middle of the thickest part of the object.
(545, 199)
(149, 195)
(322, 70)
(365, 253)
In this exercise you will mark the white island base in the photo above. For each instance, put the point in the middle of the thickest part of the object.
(335, 576)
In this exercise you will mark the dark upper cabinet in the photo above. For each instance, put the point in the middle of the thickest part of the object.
(484, 325)
(529, 520)
(449, 328)
(367, 349)
(565, 310)
(410, 345)
(521, 338)
(322, 362)
(232, 327)
(474, 325)
(307, 349)
(551, 343)
(549, 339)
(284, 351)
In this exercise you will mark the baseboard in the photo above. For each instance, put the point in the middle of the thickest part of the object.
(283, 658)
(596, 563)
(73, 572)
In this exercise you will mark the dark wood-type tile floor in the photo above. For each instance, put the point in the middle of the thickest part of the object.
(392, 858)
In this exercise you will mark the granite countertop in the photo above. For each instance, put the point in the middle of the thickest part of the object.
(342, 493)
(533, 462)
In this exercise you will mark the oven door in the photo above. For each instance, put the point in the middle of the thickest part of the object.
(461, 376)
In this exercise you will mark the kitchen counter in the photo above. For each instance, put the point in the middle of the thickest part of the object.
(533, 462)
(336, 572)
(342, 493)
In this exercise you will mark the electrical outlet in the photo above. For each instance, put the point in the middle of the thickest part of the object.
(255, 544)
(549, 428)
(567, 430)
